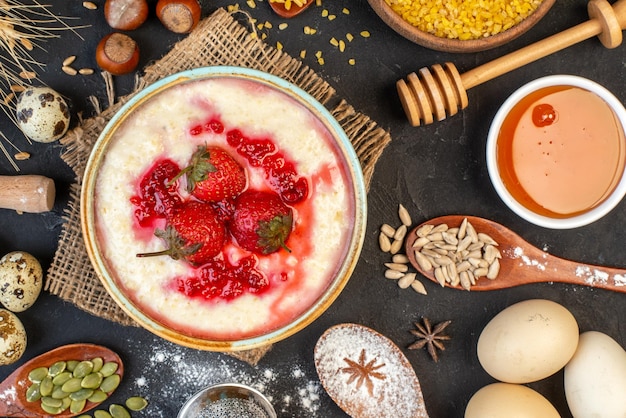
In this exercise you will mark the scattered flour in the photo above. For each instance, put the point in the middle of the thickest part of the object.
(172, 374)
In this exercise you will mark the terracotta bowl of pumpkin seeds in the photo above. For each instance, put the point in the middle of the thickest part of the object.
(461, 26)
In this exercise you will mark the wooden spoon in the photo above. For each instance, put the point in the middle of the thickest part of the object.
(294, 10)
(366, 374)
(522, 263)
(13, 388)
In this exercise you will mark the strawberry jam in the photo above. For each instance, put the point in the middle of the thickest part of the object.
(221, 279)
(156, 197)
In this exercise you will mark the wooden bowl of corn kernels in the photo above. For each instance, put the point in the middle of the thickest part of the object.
(461, 25)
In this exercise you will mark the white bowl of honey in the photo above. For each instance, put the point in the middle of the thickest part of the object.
(556, 151)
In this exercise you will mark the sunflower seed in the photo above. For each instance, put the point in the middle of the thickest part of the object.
(418, 287)
(388, 230)
(69, 70)
(393, 274)
(400, 233)
(400, 258)
(69, 60)
(396, 246)
(458, 255)
(405, 217)
(397, 267)
(406, 280)
(384, 242)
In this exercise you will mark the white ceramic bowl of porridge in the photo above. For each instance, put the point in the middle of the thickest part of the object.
(287, 144)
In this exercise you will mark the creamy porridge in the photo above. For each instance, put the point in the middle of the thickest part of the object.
(171, 126)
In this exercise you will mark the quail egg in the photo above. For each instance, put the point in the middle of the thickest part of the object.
(21, 279)
(12, 338)
(42, 114)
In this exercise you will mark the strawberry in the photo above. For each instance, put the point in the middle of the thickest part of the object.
(213, 175)
(261, 222)
(194, 233)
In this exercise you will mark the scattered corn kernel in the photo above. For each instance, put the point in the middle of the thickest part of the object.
(342, 45)
(320, 61)
(267, 25)
(309, 30)
(351, 61)
(279, 46)
(283, 26)
(334, 42)
(458, 19)
(324, 13)
(233, 8)
(251, 4)
(318, 3)
(318, 54)
(345, 11)
(365, 34)
(331, 17)
(303, 54)
(349, 37)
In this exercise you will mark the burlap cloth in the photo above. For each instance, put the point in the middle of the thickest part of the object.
(219, 39)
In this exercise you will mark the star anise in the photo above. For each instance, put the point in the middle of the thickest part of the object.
(363, 372)
(430, 337)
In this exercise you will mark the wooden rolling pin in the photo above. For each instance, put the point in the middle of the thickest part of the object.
(433, 93)
(27, 193)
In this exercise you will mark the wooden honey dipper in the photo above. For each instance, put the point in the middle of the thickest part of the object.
(440, 90)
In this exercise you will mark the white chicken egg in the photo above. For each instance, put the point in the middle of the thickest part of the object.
(21, 280)
(507, 400)
(528, 341)
(12, 338)
(595, 378)
(42, 114)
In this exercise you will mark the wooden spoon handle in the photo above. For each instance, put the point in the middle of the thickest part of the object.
(604, 22)
(27, 193)
(543, 267)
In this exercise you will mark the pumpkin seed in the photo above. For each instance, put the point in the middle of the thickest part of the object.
(51, 410)
(136, 403)
(98, 396)
(59, 393)
(83, 368)
(81, 394)
(110, 383)
(46, 386)
(108, 368)
(98, 362)
(72, 385)
(65, 403)
(38, 374)
(71, 365)
(32, 393)
(77, 406)
(118, 411)
(101, 414)
(50, 401)
(61, 378)
(92, 381)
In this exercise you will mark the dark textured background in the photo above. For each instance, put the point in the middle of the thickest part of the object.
(433, 170)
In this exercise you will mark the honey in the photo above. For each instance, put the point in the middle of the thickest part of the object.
(560, 151)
